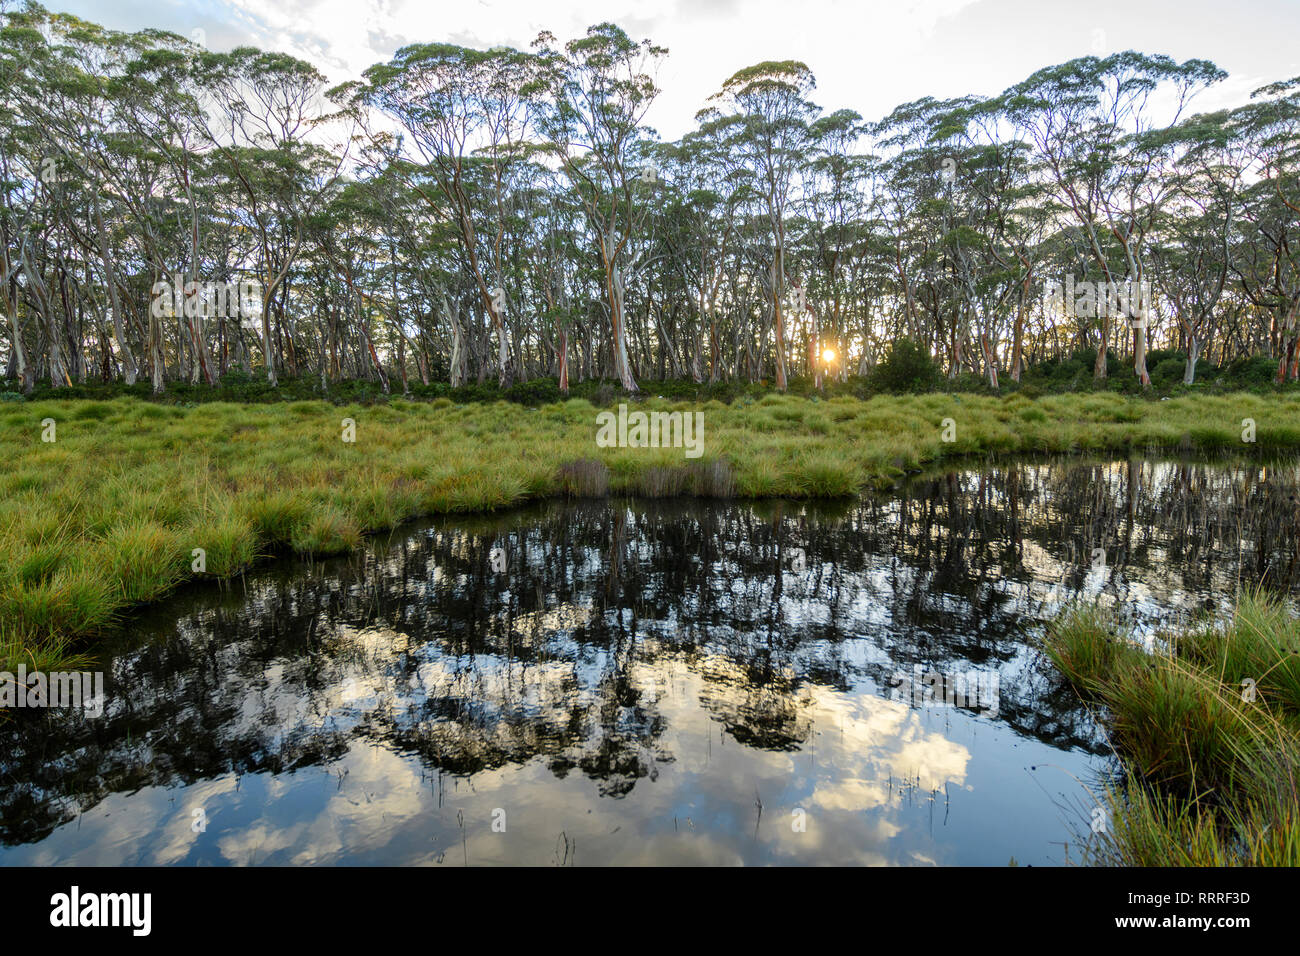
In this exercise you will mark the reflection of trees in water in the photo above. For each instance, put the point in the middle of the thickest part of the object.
(418, 645)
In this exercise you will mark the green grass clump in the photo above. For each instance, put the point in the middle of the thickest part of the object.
(275, 517)
(1085, 649)
(328, 531)
(1208, 730)
(52, 654)
(230, 544)
(1262, 645)
(145, 560)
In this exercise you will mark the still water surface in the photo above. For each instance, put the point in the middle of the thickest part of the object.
(647, 682)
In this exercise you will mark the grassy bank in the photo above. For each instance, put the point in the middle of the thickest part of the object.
(1208, 729)
(109, 513)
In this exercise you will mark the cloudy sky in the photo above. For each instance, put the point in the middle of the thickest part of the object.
(868, 55)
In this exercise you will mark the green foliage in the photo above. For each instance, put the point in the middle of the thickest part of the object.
(1169, 372)
(905, 368)
(1209, 769)
(1251, 372)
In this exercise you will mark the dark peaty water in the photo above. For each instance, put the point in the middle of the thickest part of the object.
(647, 682)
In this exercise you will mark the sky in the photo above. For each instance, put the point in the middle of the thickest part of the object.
(869, 56)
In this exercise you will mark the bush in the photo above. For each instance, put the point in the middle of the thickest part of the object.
(971, 382)
(539, 391)
(1255, 371)
(1156, 356)
(1167, 372)
(906, 368)
(235, 378)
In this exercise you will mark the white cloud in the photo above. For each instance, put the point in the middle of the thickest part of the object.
(868, 56)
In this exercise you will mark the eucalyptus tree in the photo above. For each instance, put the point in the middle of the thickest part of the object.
(917, 213)
(157, 111)
(19, 146)
(257, 110)
(1090, 121)
(592, 95)
(419, 241)
(1271, 126)
(1007, 211)
(64, 90)
(348, 232)
(1266, 265)
(553, 254)
(835, 200)
(464, 111)
(1196, 237)
(709, 186)
(964, 212)
(770, 100)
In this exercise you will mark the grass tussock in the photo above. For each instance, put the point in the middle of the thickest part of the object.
(110, 514)
(1208, 729)
(714, 479)
(584, 478)
(53, 653)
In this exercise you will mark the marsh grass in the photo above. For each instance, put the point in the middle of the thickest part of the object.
(51, 654)
(1210, 763)
(584, 478)
(109, 515)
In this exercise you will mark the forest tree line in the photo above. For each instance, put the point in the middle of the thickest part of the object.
(463, 215)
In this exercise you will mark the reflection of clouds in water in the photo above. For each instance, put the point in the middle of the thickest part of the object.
(151, 827)
(375, 800)
(383, 800)
(867, 750)
(260, 842)
(870, 741)
(640, 695)
(380, 792)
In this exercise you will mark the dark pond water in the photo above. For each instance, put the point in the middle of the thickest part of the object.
(670, 682)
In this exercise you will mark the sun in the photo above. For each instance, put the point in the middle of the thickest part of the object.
(829, 355)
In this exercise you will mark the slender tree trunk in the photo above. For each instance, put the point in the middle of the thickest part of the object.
(563, 350)
(614, 287)
(778, 315)
(1193, 354)
(457, 369)
(990, 360)
(21, 368)
(1140, 354)
(157, 363)
(1099, 367)
(129, 368)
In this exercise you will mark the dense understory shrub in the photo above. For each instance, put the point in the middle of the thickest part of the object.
(906, 368)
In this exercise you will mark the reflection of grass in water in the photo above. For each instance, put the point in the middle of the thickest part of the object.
(111, 513)
(1208, 730)
(48, 653)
